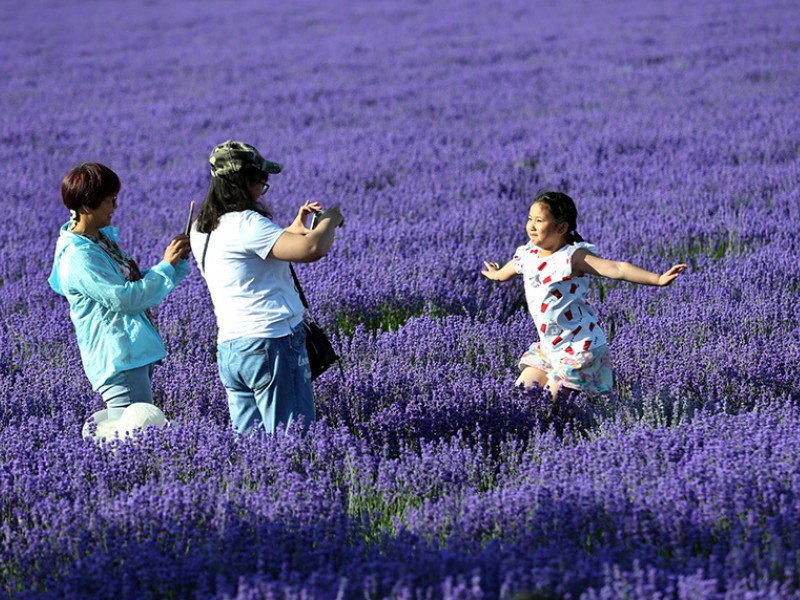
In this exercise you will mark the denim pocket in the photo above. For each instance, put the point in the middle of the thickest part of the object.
(244, 354)
(255, 366)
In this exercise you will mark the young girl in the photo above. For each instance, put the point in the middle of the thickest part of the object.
(572, 350)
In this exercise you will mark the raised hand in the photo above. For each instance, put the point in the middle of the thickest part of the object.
(178, 248)
(496, 272)
(671, 274)
(491, 269)
(299, 223)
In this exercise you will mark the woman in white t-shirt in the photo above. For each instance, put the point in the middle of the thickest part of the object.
(244, 258)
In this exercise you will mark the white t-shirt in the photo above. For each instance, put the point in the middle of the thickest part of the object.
(253, 294)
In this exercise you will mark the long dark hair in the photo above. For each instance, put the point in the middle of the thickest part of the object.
(229, 193)
(562, 207)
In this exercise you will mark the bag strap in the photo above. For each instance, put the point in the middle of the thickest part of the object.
(205, 249)
(300, 292)
(299, 287)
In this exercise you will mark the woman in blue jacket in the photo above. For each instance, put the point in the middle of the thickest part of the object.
(109, 296)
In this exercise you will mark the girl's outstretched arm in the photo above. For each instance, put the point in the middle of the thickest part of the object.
(495, 272)
(586, 263)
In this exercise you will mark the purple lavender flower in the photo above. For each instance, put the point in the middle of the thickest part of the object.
(427, 475)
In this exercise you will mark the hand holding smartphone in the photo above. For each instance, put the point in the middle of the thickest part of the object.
(314, 219)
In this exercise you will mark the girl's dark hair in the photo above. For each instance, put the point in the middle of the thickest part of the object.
(562, 207)
(88, 184)
(229, 193)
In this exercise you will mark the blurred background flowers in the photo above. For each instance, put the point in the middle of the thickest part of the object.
(432, 124)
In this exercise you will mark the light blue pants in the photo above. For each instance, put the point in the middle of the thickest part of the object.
(127, 387)
(268, 380)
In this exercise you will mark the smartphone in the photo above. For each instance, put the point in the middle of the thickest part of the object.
(314, 219)
(189, 219)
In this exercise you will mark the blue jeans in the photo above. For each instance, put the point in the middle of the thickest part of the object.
(127, 387)
(268, 381)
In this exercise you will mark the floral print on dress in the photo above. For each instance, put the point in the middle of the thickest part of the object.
(571, 342)
(589, 371)
(566, 323)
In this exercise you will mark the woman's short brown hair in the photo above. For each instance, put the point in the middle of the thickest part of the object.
(88, 184)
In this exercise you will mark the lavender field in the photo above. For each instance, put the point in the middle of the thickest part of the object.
(432, 123)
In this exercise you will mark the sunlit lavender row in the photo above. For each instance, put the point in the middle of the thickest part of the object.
(432, 125)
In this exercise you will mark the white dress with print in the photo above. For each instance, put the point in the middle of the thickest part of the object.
(566, 323)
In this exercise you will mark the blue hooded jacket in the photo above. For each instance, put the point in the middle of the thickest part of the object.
(108, 312)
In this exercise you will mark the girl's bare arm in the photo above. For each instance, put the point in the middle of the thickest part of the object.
(495, 272)
(586, 263)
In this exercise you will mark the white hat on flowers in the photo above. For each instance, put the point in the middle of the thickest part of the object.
(138, 415)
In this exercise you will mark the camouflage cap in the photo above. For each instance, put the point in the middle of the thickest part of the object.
(231, 157)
